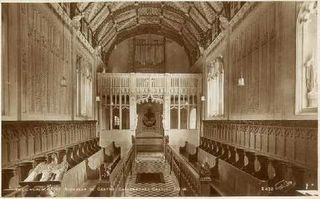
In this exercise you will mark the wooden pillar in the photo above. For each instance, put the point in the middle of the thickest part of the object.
(205, 186)
(166, 113)
(166, 104)
(200, 107)
(111, 110)
(164, 53)
(133, 112)
(179, 104)
(133, 104)
(101, 120)
(120, 110)
(188, 111)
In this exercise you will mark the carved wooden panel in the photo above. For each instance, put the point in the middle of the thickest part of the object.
(150, 83)
(292, 141)
(25, 139)
(5, 69)
(253, 56)
(38, 62)
(45, 49)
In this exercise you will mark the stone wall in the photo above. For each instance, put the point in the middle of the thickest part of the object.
(176, 59)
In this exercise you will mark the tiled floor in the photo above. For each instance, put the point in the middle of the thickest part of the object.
(152, 163)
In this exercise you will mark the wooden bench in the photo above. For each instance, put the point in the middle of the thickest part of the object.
(236, 177)
(190, 174)
(113, 158)
(98, 182)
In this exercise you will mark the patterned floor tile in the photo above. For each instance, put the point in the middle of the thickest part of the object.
(152, 163)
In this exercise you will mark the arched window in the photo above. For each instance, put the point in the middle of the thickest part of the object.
(307, 52)
(215, 87)
(193, 118)
(84, 87)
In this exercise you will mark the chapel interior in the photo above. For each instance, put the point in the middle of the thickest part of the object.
(165, 98)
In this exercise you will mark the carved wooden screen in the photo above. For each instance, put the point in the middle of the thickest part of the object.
(148, 55)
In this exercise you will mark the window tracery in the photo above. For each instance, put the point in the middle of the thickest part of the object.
(215, 87)
(84, 87)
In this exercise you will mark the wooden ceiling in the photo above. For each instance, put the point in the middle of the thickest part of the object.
(188, 23)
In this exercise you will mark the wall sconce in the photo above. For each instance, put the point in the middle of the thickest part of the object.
(97, 98)
(63, 82)
(203, 98)
(241, 80)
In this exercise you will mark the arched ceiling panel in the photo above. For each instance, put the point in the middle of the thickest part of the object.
(173, 24)
(100, 35)
(96, 21)
(173, 16)
(196, 15)
(83, 6)
(96, 8)
(183, 6)
(217, 6)
(185, 22)
(206, 11)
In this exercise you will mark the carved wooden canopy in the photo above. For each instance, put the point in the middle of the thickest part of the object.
(190, 24)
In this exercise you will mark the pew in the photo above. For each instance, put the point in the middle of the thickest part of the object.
(120, 173)
(113, 158)
(193, 177)
(238, 174)
(43, 176)
(108, 179)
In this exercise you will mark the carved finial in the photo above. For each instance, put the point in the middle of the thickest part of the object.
(223, 22)
(98, 50)
(76, 21)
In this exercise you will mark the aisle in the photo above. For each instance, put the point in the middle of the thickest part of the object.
(151, 169)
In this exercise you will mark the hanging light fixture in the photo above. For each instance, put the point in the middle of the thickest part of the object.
(63, 82)
(241, 80)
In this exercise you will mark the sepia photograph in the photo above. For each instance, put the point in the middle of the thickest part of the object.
(159, 98)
